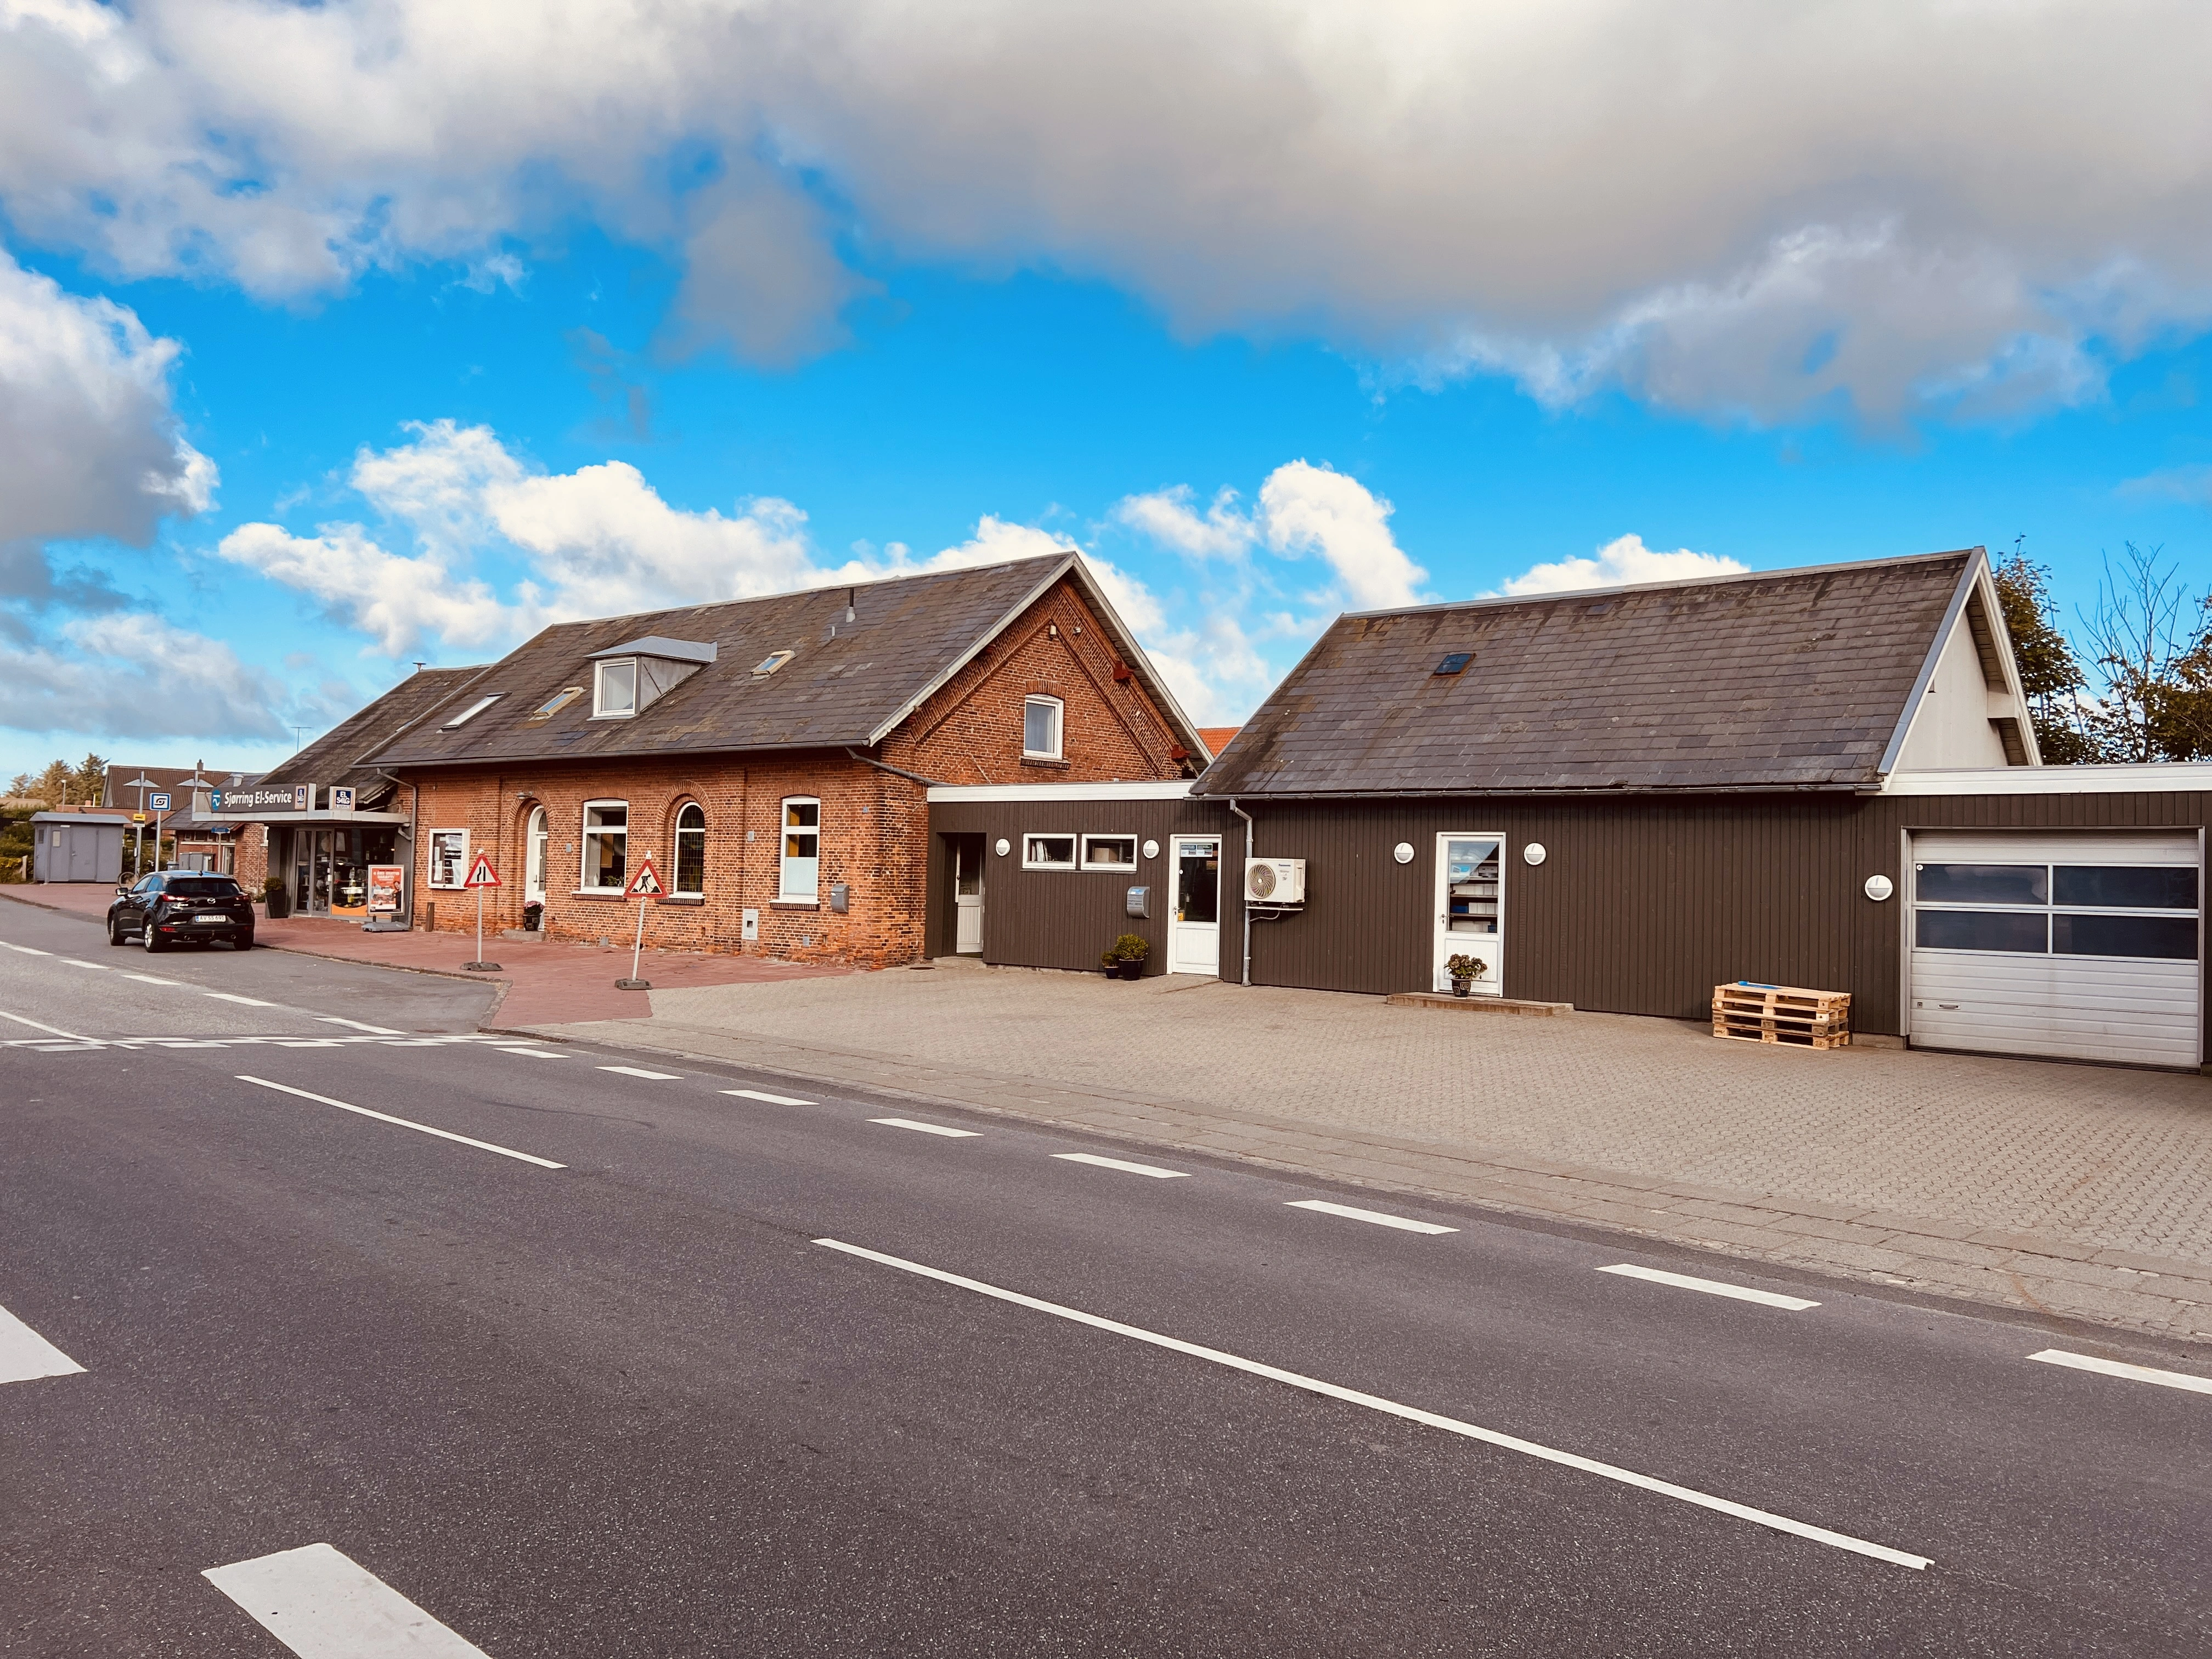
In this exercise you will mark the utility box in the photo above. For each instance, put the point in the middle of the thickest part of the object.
(76, 846)
(840, 896)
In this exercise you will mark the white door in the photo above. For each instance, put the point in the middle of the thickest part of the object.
(1194, 933)
(967, 896)
(540, 843)
(1471, 909)
(2080, 945)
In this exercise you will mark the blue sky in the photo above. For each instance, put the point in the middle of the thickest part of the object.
(390, 395)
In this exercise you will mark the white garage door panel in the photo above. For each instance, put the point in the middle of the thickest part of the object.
(2126, 1009)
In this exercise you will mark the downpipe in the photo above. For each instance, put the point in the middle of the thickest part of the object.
(1243, 908)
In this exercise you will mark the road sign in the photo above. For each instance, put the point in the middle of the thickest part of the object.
(138, 818)
(648, 880)
(159, 803)
(481, 874)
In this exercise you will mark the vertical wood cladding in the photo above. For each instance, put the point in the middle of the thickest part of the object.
(1643, 905)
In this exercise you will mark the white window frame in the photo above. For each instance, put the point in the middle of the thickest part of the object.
(811, 894)
(586, 864)
(599, 709)
(1029, 840)
(676, 851)
(473, 710)
(458, 870)
(1058, 750)
(1090, 863)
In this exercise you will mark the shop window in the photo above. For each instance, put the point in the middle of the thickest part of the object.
(691, 851)
(1109, 852)
(1048, 851)
(802, 849)
(615, 693)
(1041, 728)
(449, 857)
(606, 846)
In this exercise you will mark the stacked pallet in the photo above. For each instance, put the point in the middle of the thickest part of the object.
(1749, 1013)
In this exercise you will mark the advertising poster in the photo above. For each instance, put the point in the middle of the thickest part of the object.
(384, 886)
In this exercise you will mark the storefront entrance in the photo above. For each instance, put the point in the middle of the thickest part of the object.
(330, 869)
(1471, 909)
(1194, 935)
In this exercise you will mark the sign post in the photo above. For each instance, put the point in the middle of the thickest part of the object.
(645, 885)
(160, 805)
(481, 876)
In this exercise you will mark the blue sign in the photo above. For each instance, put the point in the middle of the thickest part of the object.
(161, 803)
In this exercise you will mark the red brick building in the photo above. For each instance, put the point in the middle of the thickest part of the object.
(770, 757)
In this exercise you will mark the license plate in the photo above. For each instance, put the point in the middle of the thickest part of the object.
(211, 918)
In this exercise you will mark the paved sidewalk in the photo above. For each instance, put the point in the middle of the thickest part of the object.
(540, 982)
(2079, 1191)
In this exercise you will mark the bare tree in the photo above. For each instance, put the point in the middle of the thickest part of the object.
(2147, 632)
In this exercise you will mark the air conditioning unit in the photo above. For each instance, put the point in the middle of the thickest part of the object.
(1275, 881)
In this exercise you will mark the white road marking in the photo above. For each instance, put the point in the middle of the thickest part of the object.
(383, 1117)
(149, 979)
(1122, 1164)
(2083, 1362)
(373, 1031)
(1709, 1286)
(535, 1054)
(1402, 1222)
(233, 996)
(1410, 1413)
(322, 1605)
(24, 1354)
(78, 962)
(27, 950)
(638, 1071)
(40, 1026)
(772, 1100)
(926, 1129)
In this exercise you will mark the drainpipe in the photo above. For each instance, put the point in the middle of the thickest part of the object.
(1244, 910)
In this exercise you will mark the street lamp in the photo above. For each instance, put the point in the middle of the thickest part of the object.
(142, 783)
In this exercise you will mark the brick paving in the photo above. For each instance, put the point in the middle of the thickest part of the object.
(2082, 1191)
(542, 982)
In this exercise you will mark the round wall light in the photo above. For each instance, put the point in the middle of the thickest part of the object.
(1005, 847)
(1879, 888)
(1403, 852)
(1534, 853)
(1152, 849)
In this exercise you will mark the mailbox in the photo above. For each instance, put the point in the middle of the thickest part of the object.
(1141, 901)
(840, 896)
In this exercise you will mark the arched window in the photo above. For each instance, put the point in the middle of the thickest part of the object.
(692, 850)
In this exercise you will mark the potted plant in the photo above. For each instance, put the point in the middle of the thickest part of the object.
(1129, 953)
(1109, 961)
(279, 901)
(533, 916)
(1465, 970)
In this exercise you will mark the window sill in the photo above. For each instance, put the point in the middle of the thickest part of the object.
(794, 904)
(682, 898)
(1064, 869)
(599, 893)
(1058, 761)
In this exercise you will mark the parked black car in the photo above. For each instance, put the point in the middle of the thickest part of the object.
(176, 905)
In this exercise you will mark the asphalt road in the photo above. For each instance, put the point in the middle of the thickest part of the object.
(623, 1400)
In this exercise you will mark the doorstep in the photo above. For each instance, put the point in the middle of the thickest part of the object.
(1476, 1004)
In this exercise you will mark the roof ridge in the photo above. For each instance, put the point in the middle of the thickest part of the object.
(1563, 595)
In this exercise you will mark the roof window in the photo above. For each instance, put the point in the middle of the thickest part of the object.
(473, 710)
(1455, 662)
(773, 660)
(559, 701)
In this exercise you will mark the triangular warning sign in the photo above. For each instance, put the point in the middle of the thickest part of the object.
(481, 874)
(647, 882)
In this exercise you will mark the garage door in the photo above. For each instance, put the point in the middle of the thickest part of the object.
(2083, 946)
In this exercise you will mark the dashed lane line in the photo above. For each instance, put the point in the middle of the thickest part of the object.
(25, 1355)
(152, 978)
(233, 996)
(2085, 1362)
(1709, 1286)
(66, 1042)
(1403, 1223)
(920, 1127)
(40, 1026)
(535, 1054)
(79, 962)
(638, 1071)
(373, 1031)
(26, 950)
(322, 1604)
(1410, 1413)
(772, 1100)
(1095, 1161)
(406, 1123)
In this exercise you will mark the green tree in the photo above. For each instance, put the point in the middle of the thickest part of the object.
(2049, 673)
(53, 785)
(88, 779)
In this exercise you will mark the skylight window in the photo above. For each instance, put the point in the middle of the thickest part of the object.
(558, 702)
(773, 660)
(1455, 662)
(473, 710)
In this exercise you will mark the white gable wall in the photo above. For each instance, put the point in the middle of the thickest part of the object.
(1951, 728)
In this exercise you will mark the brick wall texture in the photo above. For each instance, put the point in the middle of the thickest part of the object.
(874, 824)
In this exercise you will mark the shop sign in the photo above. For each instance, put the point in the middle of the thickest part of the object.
(159, 803)
(385, 886)
(303, 797)
(253, 800)
(341, 798)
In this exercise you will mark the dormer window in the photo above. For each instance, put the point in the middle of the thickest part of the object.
(614, 695)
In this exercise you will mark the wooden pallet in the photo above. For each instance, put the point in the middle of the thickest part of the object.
(1787, 1014)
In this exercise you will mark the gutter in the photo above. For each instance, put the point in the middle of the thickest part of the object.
(1243, 908)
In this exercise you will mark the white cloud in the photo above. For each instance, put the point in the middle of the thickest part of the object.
(136, 676)
(400, 602)
(1167, 517)
(1308, 508)
(88, 443)
(1620, 563)
(1724, 205)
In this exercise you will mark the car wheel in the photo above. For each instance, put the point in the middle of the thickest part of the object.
(151, 940)
(116, 935)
